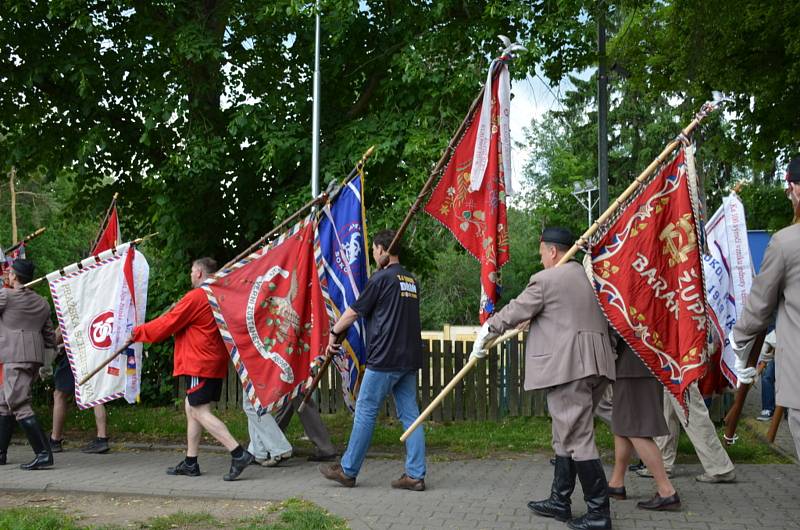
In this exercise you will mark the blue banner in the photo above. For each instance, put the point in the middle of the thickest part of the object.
(342, 263)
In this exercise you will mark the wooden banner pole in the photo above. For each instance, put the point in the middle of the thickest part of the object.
(103, 364)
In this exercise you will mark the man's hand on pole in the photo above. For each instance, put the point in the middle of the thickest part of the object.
(479, 350)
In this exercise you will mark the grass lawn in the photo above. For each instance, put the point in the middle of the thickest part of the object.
(466, 439)
(292, 514)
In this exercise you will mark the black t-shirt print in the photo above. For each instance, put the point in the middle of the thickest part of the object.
(390, 305)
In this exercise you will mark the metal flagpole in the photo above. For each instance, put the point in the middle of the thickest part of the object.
(315, 114)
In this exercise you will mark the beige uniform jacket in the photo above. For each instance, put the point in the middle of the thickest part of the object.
(777, 286)
(568, 338)
(25, 327)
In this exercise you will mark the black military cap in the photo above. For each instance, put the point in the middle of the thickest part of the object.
(24, 269)
(793, 171)
(558, 235)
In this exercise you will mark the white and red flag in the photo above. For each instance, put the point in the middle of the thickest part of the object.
(648, 277)
(729, 277)
(272, 317)
(470, 198)
(97, 303)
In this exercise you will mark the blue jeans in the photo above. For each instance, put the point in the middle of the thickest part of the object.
(768, 387)
(374, 388)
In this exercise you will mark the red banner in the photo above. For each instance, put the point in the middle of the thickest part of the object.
(272, 317)
(110, 237)
(477, 219)
(648, 277)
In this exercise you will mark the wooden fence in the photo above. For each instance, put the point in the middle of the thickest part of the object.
(491, 391)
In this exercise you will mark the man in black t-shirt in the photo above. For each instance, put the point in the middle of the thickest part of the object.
(390, 305)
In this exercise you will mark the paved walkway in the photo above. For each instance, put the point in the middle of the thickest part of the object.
(462, 494)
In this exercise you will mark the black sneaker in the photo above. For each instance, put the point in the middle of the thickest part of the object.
(238, 465)
(56, 445)
(189, 470)
(97, 446)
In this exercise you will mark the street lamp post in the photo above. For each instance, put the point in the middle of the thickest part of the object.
(583, 193)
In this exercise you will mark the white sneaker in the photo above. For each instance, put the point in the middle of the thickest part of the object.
(273, 461)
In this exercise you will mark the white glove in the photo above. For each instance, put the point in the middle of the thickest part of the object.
(479, 350)
(745, 374)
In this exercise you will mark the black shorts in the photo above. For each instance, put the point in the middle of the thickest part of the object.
(202, 390)
(62, 375)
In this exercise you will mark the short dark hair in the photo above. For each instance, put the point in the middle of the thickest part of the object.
(558, 246)
(209, 265)
(384, 238)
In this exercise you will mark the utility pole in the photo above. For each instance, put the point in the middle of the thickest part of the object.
(602, 106)
(12, 176)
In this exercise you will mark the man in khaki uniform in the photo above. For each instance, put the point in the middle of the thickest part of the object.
(777, 286)
(569, 353)
(25, 332)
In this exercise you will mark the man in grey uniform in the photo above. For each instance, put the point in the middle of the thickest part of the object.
(569, 353)
(25, 332)
(777, 286)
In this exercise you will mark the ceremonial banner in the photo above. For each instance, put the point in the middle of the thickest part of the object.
(342, 254)
(110, 235)
(272, 317)
(648, 276)
(98, 302)
(726, 234)
(473, 207)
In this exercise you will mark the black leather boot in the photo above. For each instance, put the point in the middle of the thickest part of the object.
(558, 505)
(595, 493)
(6, 428)
(40, 443)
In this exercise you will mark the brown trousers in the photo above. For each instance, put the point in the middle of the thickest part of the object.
(571, 407)
(16, 392)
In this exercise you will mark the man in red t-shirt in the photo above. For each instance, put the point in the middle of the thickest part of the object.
(200, 357)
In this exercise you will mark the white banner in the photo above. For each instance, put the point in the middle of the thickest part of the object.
(730, 275)
(96, 313)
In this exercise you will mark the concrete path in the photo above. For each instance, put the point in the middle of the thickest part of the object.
(462, 494)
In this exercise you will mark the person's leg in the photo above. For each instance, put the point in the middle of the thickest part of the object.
(605, 405)
(194, 430)
(374, 388)
(257, 447)
(100, 444)
(101, 420)
(7, 421)
(60, 401)
(405, 398)
(213, 425)
(17, 383)
(794, 427)
(668, 445)
(651, 456)
(622, 454)
(703, 434)
(768, 388)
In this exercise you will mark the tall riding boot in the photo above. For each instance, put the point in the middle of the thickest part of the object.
(595, 493)
(558, 505)
(40, 443)
(6, 428)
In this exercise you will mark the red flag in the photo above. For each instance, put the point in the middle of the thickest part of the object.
(110, 237)
(272, 317)
(648, 276)
(477, 219)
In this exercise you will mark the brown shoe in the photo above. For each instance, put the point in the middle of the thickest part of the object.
(659, 503)
(407, 483)
(336, 473)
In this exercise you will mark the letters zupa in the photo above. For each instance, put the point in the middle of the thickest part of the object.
(272, 317)
(648, 276)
